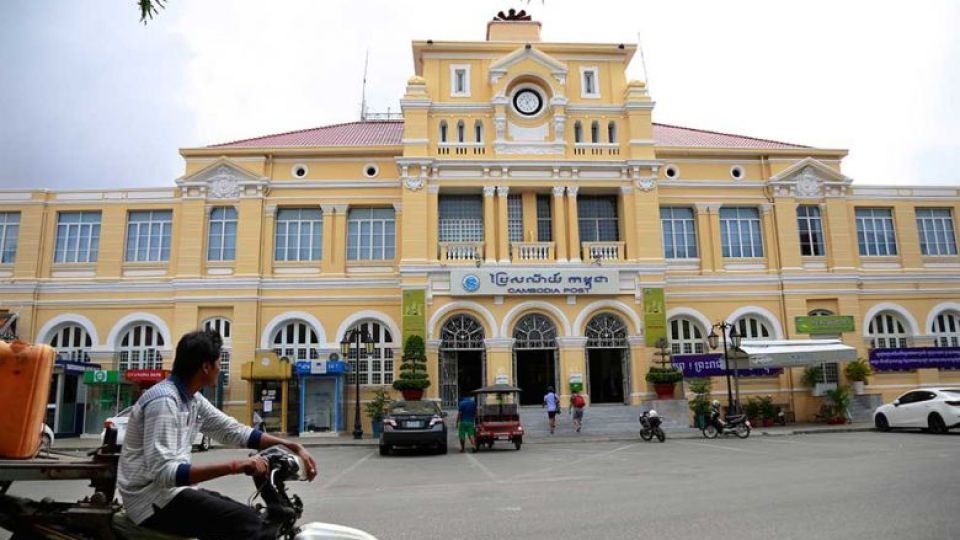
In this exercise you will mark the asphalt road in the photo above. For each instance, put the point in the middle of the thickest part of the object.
(840, 485)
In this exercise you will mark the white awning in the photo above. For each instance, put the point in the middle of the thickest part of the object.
(790, 353)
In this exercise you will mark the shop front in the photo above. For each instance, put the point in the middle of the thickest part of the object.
(108, 393)
(68, 396)
(322, 387)
(274, 392)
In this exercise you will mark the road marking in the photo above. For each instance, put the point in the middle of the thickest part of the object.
(343, 473)
(568, 464)
(720, 446)
(476, 463)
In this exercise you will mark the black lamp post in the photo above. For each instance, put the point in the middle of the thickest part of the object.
(355, 337)
(735, 340)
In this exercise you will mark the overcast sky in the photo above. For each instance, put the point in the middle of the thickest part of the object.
(90, 98)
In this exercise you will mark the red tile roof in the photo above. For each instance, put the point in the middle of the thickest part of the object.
(390, 132)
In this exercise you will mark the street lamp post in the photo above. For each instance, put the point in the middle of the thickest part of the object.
(735, 340)
(355, 337)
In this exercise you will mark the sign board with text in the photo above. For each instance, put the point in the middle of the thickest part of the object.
(545, 282)
(829, 324)
(654, 316)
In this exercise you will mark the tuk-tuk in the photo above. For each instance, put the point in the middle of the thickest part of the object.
(498, 415)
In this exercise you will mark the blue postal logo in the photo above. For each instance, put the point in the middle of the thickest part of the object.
(471, 283)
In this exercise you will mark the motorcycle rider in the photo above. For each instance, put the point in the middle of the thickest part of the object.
(715, 413)
(155, 476)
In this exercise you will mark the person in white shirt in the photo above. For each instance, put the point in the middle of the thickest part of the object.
(552, 402)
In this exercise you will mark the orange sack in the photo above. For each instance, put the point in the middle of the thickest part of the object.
(24, 385)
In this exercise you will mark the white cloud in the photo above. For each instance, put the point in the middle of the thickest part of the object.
(869, 76)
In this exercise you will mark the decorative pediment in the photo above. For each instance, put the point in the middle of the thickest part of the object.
(500, 68)
(222, 179)
(810, 179)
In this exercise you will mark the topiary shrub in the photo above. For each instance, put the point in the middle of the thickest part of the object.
(413, 370)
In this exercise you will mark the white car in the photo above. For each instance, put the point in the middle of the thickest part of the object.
(201, 441)
(936, 410)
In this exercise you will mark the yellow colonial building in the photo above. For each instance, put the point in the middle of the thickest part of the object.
(525, 216)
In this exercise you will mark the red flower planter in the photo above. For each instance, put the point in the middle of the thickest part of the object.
(412, 395)
(664, 391)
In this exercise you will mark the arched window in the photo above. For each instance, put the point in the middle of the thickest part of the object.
(577, 132)
(606, 331)
(377, 367)
(221, 326)
(296, 340)
(820, 313)
(72, 343)
(461, 132)
(753, 327)
(595, 132)
(887, 331)
(535, 331)
(612, 132)
(686, 337)
(462, 332)
(443, 131)
(946, 329)
(140, 348)
(478, 131)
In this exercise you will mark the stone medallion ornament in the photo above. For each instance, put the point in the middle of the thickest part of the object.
(646, 184)
(224, 184)
(808, 183)
(413, 183)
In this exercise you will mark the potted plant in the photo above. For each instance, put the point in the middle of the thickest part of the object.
(376, 408)
(840, 398)
(700, 404)
(663, 380)
(413, 378)
(767, 410)
(812, 377)
(752, 409)
(857, 373)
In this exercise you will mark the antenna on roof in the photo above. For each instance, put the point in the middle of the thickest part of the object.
(363, 99)
(643, 61)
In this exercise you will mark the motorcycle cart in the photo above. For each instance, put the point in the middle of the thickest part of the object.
(498, 415)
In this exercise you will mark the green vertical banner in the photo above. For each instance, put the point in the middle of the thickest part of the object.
(654, 316)
(414, 313)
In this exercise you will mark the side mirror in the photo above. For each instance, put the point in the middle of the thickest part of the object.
(896, 403)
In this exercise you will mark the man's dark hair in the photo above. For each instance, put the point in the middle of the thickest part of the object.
(194, 349)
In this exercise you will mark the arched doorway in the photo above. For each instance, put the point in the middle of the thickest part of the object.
(535, 357)
(608, 359)
(462, 358)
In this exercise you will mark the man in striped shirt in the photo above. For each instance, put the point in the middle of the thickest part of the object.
(155, 477)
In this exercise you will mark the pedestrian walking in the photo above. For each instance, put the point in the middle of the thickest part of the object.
(466, 418)
(552, 402)
(577, 403)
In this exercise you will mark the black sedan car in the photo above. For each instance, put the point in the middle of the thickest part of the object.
(414, 424)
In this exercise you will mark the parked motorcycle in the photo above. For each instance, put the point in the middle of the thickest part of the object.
(650, 426)
(736, 424)
(100, 516)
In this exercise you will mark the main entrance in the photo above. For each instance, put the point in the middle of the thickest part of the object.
(535, 358)
(608, 360)
(462, 360)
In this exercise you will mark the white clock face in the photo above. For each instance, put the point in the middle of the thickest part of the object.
(527, 102)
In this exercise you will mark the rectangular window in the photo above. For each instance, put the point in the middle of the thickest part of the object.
(740, 234)
(811, 231)
(148, 235)
(679, 233)
(588, 86)
(460, 80)
(299, 234)
(875, 233)
(515, 217)
(371, 234)
(598, 219)
(937, 236)
(544, 222)
(222, 237)
(9, 231)
(461, 218)
(78, 237)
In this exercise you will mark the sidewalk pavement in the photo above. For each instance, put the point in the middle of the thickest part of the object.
(561, 436)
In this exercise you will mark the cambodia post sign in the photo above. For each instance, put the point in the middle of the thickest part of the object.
(534, 282)
(712, 365)
(915, 358)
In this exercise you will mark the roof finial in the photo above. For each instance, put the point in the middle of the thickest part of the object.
(512, 15)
